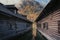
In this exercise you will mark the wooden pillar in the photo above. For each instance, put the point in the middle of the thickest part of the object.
(34, 30)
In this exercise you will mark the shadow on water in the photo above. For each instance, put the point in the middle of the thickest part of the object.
(28, 36)
(40, 36)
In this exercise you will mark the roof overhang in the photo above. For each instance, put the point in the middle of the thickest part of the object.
(11, 14)
(52, 6)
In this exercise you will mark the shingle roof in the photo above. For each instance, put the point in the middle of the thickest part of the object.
(8, 12)
(10, 6)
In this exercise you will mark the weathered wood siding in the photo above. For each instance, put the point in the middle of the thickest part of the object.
(11, 26)
(52, 21)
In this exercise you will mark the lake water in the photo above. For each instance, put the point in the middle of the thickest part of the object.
(28, 36)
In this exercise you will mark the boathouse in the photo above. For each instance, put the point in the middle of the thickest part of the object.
(12, 23)
(49, 20)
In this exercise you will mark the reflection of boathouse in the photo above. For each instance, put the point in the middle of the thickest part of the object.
(49, 20)
(12, 23)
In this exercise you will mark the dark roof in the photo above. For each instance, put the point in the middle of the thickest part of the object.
(8, 12)
(51, 7)
(10, 7)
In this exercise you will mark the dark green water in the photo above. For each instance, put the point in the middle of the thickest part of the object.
(40, 36)
(28, 36)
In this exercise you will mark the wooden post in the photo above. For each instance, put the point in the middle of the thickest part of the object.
(34, 31)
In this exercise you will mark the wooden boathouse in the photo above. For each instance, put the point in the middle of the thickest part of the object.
(49, 20)
(12, 23)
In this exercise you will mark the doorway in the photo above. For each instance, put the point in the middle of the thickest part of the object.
(59, 26)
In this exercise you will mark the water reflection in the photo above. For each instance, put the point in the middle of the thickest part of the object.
(28, 36)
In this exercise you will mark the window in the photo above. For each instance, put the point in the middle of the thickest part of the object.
(45, 25)
(39, 25)
(27, 25)
(15, 26)
(59, 26)
(9, 25)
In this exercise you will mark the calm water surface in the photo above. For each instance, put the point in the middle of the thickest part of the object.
(28, 36)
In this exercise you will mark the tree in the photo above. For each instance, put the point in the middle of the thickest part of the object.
(30, 9)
